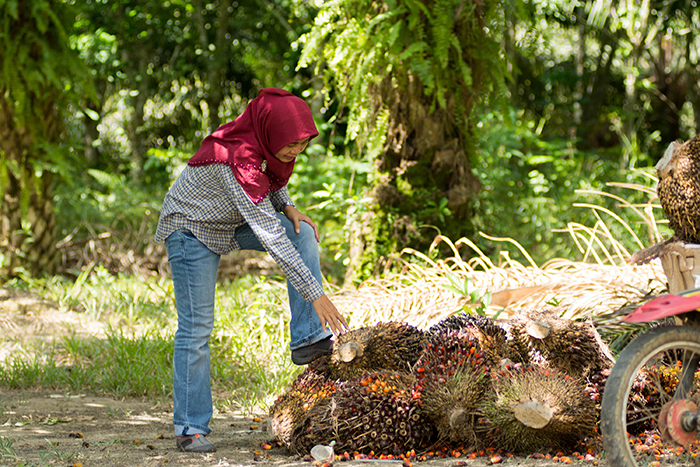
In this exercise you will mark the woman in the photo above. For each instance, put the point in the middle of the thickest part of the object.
(233, 195)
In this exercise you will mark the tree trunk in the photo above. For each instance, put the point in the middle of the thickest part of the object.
(27, 217)
(43, 258)
(138, 76)
(11, 144)
(216, 61)
(592, 128)
(580, 63)
(672, 92)
(423, 179)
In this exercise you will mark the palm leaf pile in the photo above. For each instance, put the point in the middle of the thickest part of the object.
(420, 292)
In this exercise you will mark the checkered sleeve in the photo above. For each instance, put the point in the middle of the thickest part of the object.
(262, 219)
(280, 199)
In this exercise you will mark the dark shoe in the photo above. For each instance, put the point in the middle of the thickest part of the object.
(311, 352)
(194, 443)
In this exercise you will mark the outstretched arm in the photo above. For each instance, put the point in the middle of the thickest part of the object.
(326, 311)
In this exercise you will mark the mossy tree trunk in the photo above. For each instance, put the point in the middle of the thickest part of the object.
(409, 72)
(27, 218)
(40, 72)
(11, 143)
(423, 182)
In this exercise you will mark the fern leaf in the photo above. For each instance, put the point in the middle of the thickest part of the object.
(104, 178)
(442, 31)
(411, 50)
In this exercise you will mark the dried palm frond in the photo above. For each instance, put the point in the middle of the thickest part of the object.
(417, 294)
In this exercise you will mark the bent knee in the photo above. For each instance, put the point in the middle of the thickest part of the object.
(305, 230)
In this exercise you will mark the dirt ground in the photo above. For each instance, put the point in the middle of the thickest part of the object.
(47, 429)
(86, 430)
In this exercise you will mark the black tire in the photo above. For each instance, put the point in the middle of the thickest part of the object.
(625, 410)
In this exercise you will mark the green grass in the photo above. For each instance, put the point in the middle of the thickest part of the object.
(131, 355)
(6, 450)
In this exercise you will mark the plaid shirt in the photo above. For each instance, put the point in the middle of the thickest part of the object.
(208, 201)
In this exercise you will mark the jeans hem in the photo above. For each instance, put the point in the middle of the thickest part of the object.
(188, 429)
(310, 340)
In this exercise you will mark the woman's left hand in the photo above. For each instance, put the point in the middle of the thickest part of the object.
(294, 215)
(329, 315)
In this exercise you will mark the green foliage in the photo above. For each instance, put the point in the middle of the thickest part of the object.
(181, 70)
(110, 199)
(37, 60)
(402, 67)
(479, 299)
(184, 70)
(531, 184)
(40, 75)
(611, 73)
(360, 45)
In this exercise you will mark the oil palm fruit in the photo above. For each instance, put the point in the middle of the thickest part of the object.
(573, 347)
(294, 404)
(491, 334)
(679, 188)
(452, 377)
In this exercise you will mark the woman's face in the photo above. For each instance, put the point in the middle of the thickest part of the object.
(292, 150)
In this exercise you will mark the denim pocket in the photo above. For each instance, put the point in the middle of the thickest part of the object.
(175, 243)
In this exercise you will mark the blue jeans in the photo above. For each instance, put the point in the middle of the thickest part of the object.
(194, 270)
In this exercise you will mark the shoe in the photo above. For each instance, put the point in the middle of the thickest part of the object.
(307, 354)
(194, 443)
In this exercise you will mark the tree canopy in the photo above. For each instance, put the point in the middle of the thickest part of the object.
(436, 116)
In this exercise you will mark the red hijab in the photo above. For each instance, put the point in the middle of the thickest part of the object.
(271, 121)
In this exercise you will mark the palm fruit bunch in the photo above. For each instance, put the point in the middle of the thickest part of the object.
(679, 189)
(519, 341)
(384, 346)
(456, 322)
(534, 409)
(574, 348)
(451, 378)
(595, 386)
(294, 404)
(378, 412)
(493, 339)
